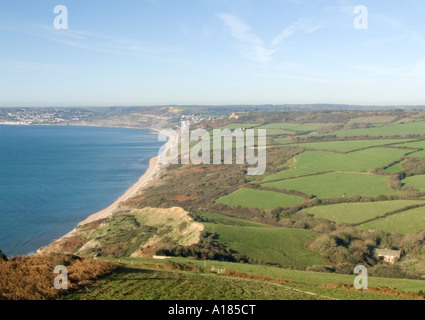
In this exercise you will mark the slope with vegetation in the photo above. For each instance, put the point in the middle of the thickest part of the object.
(335, 184)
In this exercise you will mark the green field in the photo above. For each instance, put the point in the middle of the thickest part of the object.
(148, 284)
(417, 182)
(383, 119)
(294, 126)
(359, 161)
(152, 284)
(404, 222)
(239, 126)
(337, 184)
(358, 212)
(292, 172)
(389, 130)
(419, 145)
(277, 131)
(345, 146)
(133, 283)
(395, 168)
(315, 279)
(266, 243)
(273, 245)
(311, 162)
(251, 198)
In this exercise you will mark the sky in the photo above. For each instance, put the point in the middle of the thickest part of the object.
(212, 52)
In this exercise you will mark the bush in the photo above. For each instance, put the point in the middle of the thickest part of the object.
(31, 278)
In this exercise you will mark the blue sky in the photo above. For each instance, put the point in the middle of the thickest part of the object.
(177, 52)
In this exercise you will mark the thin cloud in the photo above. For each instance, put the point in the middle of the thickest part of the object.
(101, 43)
(240, 30)
(258, 50)
(300, 25)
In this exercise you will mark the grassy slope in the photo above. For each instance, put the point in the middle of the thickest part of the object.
(302, 277)
(336, 185)
(358, 212)
(269, 244)
(148, 283)
(145, 284)
(345, 146)
(274, 245)
(416, 181)
(403, 222)
(360, 161)
(389, 130)
(259, 199)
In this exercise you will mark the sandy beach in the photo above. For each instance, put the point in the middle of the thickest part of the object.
(152, 170)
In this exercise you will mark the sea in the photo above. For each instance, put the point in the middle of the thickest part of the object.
(52, 177)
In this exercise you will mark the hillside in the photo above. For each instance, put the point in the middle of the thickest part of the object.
(338, 186)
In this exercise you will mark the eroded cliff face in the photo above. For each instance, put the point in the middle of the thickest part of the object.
(137, 233)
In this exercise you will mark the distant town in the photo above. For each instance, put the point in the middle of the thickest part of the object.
(40, 116)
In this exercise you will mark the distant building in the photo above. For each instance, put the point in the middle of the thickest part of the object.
(388, 255)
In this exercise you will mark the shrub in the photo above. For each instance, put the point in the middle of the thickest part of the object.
(31, 277)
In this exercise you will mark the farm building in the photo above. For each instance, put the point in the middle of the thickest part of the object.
(388, 255)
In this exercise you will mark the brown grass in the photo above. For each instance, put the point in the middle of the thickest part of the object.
(73, 243)
(182, 198)
(32, 277)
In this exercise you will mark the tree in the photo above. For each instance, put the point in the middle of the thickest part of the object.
(2, 256)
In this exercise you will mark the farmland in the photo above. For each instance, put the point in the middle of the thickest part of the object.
(404, 222)
(416, 181)
(259, 199)
(358, 212)
(336, 185)
(346, 146)
(359, 161)
(272, 245)
(412, 128)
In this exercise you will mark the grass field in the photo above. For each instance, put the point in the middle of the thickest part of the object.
(152, 284)
(418, 144)
(404, 222)
(359, 161)
(315, 279)
(416, 181)
(294, 126)
(358, 212)
(337, 184)
(382, 119)
(345, 146)
(259, 199)
(389, 130)
(239, 126)
(395, 168)
(292, 172)
(147, 284)
(262, 242)
(273, 245)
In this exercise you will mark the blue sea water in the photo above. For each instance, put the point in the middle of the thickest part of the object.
(52, 177)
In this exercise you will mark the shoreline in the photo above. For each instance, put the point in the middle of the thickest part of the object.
(154, 168)
(148, 175)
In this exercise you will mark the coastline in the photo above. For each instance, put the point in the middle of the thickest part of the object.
(150, 174)
(153, 169)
